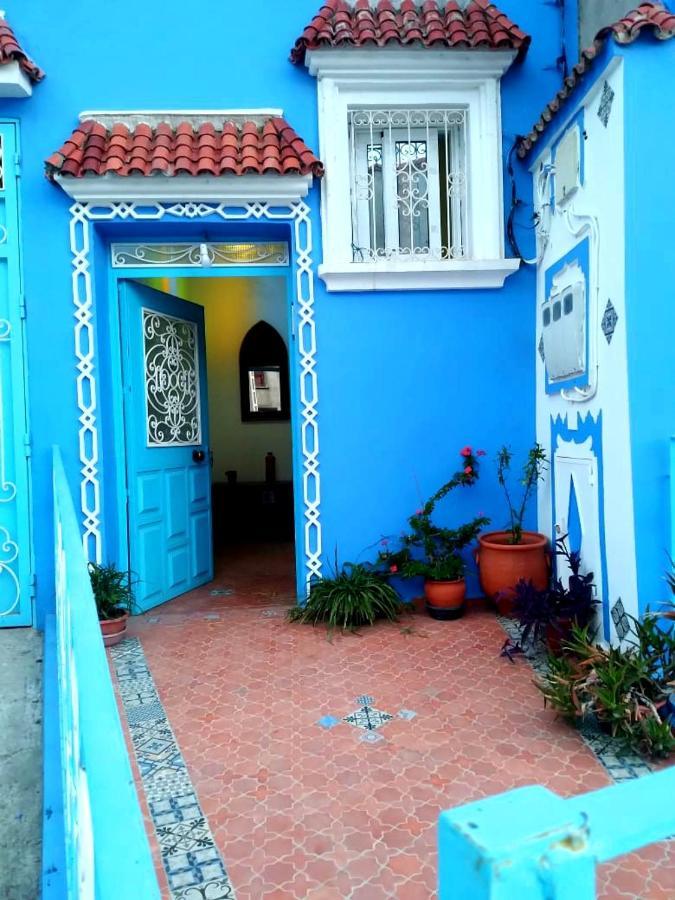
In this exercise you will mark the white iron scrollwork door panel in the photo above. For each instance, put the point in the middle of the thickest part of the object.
(16, 606)
(166, 431)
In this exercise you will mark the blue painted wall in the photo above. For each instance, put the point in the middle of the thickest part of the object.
(650, 296)
(405, 380)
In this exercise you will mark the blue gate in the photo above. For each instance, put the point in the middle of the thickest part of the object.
(16, 581)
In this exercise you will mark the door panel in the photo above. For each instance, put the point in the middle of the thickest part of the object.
(577, 508)
(166, 432)
(16, 579)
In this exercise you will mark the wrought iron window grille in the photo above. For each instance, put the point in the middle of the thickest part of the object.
(408, 184)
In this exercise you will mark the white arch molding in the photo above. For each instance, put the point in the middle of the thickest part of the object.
(297, 213)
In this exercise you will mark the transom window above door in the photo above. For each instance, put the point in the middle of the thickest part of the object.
(408, 183)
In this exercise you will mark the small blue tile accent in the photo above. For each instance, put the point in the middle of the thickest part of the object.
(328, 722)
(212, 616)
(371, 737)
(407, 714)
(222, 592)
(364, 700)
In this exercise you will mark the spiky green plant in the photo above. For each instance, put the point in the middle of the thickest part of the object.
(623, 688)
(354, 596)
(113, 590)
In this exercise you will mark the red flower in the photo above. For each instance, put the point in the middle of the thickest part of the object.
(468, 470)
(465, 452)
(481, 453)
(419, 512)
(393, 569)
(384, 542)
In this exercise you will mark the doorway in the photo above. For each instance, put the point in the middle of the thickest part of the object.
(208, 431)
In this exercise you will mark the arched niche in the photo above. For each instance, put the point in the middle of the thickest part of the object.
(263, 376)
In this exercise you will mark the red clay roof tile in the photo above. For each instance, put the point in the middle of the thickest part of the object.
(480, 25)
(11, 51)
(652, 18)
(230, 149)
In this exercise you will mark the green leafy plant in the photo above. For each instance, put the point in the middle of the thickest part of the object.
(533, 471)
(355, 595)
(113, 591)
(429, 550)
(624, 689)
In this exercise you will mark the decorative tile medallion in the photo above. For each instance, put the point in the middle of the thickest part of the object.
(368, 718)
(619, 763)
(606, 103)
(609, 320)
(620, 619)
(193, 865)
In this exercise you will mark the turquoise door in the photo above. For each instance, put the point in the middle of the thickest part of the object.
(166, 431)
(16, 580)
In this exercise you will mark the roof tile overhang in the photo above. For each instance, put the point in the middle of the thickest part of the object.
(175, 144)
(11, 51)
(480, 25)
(647, 18)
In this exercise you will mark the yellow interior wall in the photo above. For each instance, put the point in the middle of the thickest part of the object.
(231, 307)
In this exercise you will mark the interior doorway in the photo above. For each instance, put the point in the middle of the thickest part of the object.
(208, 432)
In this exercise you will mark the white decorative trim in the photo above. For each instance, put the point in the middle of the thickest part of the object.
(173, 117)
(14, 82)
(423, 65)
(297, 213)
(392, 275)
(414, 79)
(160, 188)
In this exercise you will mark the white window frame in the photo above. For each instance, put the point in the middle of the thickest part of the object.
(384, 78)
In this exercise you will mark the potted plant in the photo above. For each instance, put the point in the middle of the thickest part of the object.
(355, 595)
(507, 557)
(113, 594)
(433, 552)
(551, 614)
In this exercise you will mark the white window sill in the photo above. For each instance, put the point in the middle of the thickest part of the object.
(404, 275)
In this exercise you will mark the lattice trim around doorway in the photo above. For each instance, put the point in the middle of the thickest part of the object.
(297, 213)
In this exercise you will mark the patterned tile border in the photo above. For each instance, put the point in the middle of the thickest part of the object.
(193, 865)
(619, 763)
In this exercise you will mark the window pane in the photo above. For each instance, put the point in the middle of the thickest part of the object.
(375, 197)
(547, 316)
(412, 194)
(556, 311)
(264, 389)
(568, 304)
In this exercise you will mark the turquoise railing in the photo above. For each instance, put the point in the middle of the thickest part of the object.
(672, 498)
(530, 844)
(94, 842)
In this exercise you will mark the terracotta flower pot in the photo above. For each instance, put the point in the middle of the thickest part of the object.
(557, 633)
(113, 630)
(502, 565)
(445, 599)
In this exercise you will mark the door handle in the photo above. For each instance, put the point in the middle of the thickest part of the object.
(198, 456)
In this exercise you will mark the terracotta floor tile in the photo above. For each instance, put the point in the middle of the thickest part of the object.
(304, 811)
